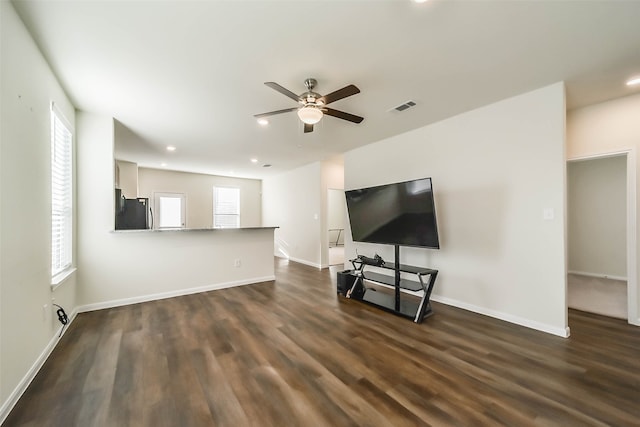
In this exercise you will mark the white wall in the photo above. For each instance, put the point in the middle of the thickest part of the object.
(336, 209)
(198, 189)
(27, 331)
(297, 202)
(293, 202)
(124, 267)
(336, 214)
(597, 216)
(495, 170)
(331, 176)
(606, 128)
(127, 179)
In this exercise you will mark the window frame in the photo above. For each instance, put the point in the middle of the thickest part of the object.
(215, 205)
(61, 196)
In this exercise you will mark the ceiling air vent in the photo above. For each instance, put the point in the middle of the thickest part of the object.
(404, 106)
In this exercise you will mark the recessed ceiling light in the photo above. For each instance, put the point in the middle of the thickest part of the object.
(633, 81)
(254, 160)
(171, 148)
(163, 164)
(420, 1)
(263, 122)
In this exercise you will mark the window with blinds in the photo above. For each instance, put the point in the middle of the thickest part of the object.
(61, 194)
(226, 207)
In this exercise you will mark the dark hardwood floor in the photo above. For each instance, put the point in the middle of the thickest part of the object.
(293, 353)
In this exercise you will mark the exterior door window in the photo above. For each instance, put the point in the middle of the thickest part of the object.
(170, 210)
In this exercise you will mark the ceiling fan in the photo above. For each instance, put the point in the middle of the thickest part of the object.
(313, 104)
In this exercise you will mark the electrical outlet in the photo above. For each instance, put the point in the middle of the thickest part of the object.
(236, 263)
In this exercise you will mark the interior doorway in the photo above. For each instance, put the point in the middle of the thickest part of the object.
(601, 245)
(336, 217)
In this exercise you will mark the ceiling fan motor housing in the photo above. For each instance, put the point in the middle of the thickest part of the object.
(310, 98)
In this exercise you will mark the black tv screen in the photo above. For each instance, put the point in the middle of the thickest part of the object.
(402, 214)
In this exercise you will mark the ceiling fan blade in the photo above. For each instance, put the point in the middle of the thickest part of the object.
(308, 128)
(273, 113)
(286, 92)
(339, 94)
(342, 115)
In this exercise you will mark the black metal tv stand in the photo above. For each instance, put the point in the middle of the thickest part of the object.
(396, 302)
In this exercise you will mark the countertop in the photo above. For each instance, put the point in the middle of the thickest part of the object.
(182, 230)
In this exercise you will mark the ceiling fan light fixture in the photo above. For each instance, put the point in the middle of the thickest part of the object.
(310, 115)
(313, 105)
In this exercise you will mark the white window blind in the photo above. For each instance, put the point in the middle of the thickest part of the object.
(226, 207)
(61, 194)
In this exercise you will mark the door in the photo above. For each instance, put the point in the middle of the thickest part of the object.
(170, 210)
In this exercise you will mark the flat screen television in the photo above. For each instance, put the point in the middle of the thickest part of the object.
(401, 214)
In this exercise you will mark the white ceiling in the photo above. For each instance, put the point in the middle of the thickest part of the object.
(190, 74)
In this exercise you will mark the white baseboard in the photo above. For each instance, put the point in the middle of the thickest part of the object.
(37, 365)
(302, 261)
(309, 263)
(554, 330)
(17, 393)
(172, 294)
(598, 275)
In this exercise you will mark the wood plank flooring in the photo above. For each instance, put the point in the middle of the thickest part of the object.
(293, 353)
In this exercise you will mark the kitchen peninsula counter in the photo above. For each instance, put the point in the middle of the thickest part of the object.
(164, 230)
(132, 266)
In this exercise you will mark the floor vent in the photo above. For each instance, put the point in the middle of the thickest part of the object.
(404, 106)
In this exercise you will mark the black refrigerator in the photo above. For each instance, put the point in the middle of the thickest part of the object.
(132, 214)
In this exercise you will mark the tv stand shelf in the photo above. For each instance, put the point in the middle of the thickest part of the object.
(395, 301)
(385, 279)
